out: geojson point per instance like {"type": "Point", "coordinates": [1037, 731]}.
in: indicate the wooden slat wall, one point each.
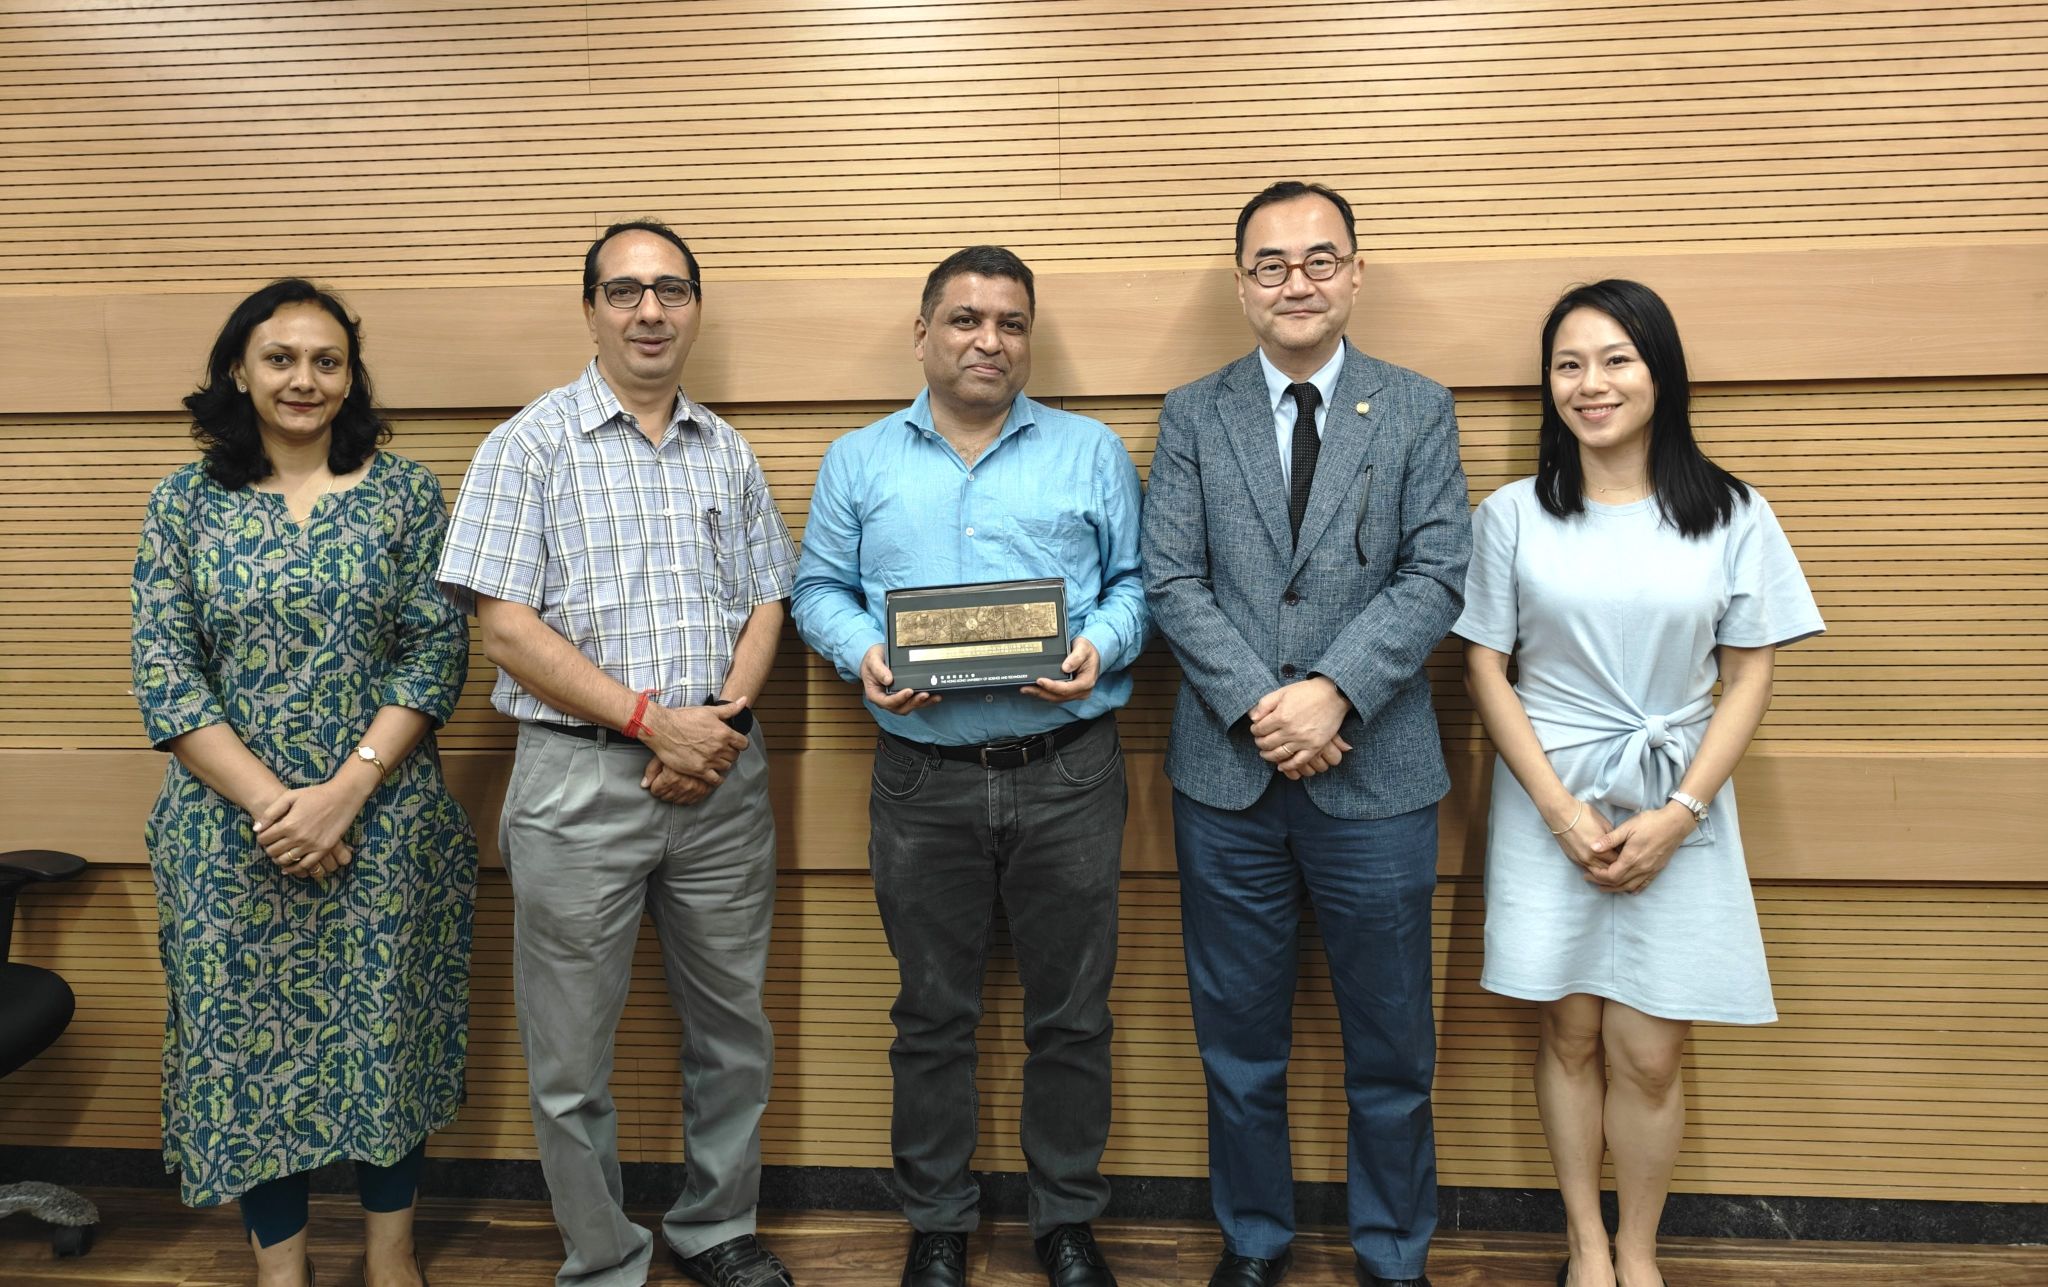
{"type": "Point", "coordinates": [175, 144]}
{"type": "Point", "coordinates": [1917, 509]}
{"type": "Point", "coordinates": [1847, 198]}
{"type": "Point", "coordinates": [1908, 1061]}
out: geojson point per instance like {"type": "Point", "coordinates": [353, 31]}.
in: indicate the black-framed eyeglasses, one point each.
{"type": "Point", "coordinates": [670, 292]}
{"type": "Point", "coordinates": [1318, 267]}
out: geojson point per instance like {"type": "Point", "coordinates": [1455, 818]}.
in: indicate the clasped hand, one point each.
{"type": "Point", "coordinates": [1626, 859]}
{"type": "Point", "coordinates": [301, 829]}
{"type": "Point", "coordinates": [1295, 727]}
{"type": "Point", "coordinates": [693, 749]}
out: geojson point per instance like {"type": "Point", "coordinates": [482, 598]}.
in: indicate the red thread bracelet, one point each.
{"type": "Point", "coordinates": [634, 728]}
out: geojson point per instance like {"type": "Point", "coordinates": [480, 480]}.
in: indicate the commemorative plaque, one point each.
{"type": "Point", "coordinates": [998, 634]}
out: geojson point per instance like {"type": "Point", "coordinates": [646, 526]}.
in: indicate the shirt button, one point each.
{"type": "Point", "coordinates": [970, 475]}
{"type": "Point", "coordinates": [989, 698]}
{"type": "Point", "coordinates": [970, 531]}
{"type": "Point", "coordinates": [1290, 597]}
{"type": "Point", "coordinates": [1287, 670]}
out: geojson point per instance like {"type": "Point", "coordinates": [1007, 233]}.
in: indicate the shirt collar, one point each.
{"type": "Point", "coordinates": [1325, 380]}
{"type": "Point", "coordinates": [603, 406]}
{"type": "Point", "coordinates": [918, 416]}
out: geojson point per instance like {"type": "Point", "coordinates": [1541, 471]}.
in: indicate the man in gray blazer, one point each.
{"type": "Point", "coordinates": [1305, 538]}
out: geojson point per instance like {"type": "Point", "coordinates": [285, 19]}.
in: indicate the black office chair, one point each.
{"type": "Point", "coordinates": [35, 1007]}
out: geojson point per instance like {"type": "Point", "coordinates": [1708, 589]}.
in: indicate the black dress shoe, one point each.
{"type": "Point", "coordinates": [736, 1262]}
{"type": "Point", "coordinates": [1367, 1278]}
{"type": "Point", "coordinates": [935, 1260]}
{"type": "Point", "coordinates": [1072, 1259]}
{"type": "Point", "coordinates": [1251, 1271]}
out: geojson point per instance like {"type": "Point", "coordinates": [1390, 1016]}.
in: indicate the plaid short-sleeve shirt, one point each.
{"type": "Point", "coordinates": [648, 557]}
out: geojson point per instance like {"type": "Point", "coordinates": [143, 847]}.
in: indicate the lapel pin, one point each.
{"type": "Point", "coordinates": [1364, 407]}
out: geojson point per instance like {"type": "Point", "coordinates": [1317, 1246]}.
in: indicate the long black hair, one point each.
{"type": "Point", "coordinates": [1694, 494]}
{"type": "Point", "coordinates": [224, 418]}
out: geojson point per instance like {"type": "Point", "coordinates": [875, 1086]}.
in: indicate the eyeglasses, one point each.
{"type": "Point", "coordinates": [1318, 267]}
{"type": "Point", "coordinates": [624, 292]}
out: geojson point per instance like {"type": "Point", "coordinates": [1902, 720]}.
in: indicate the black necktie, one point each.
{"type": "Point", "coordinates": [1307, 446]}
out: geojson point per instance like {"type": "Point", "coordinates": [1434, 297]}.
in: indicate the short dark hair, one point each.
{"type": "Point", "coordinates": [224, 417]}
{"type": "Point", "coordinates": [1288, 190]}
{"type": "Point", "coordinates": [1694, 494]}
{"type": "Point", "coordinates": [655, 226]}
{"type": "Point", "coordinates": [982, 261]}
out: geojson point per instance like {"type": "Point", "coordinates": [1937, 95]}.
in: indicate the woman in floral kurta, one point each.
{"type": "Point", "coordinates": [318, 972]}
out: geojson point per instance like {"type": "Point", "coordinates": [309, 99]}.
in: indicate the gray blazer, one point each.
{"type": "Point", "coordinates": [1374, 585]}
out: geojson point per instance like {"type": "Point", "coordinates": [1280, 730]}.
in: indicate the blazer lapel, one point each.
{"type": "Point", "coordinates": [1347, 431]}
{"type": "Point", "coordinates": [1248, 421]}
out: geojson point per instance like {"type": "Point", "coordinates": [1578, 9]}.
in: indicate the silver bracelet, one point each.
{"type": "Point", "coordinates": [1569, 825]}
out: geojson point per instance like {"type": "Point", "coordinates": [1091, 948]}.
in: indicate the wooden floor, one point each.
{"type": "Point", "coordinates": [147, 1240]}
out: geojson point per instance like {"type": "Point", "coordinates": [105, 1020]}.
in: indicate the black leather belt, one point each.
{"type": "Point", "coordinates": [1013, 754]}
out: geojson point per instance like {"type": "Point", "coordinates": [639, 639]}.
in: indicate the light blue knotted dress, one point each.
{"type": "Point", "coordinates": [1613, 618]}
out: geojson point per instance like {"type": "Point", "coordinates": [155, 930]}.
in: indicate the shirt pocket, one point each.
{"type": "Point", "coordinates": [1061, 544]}
{"type": "Point", "coordinates": [726, 553]}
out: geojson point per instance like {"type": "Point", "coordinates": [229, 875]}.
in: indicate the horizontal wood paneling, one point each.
{"type": "Point", "coordinates": [1918, 508]}
{"type": "Point", "coordinates": [1805, 315]}
{"type": "Point", "coordinates": [807, 140]}
{"type": "Point", "coordinates": [1907, 1062]}
{"type": "Point", "coordinates": [1865, 817]}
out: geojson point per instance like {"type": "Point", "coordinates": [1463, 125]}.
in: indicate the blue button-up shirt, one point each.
{"type": "Point", "coordinates": [896, 507]}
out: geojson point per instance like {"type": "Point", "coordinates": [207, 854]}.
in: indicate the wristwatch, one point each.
{"type": "Point", "coordinates": [1691, 804]}
{"type": "Point", "coordinates": [366, 754]}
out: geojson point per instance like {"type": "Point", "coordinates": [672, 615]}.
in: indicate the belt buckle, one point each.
{"type": "Point", "coordinates": [1022, 747]}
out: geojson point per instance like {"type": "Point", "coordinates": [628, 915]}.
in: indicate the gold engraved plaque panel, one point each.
{"type": "Point", "coordinates": [980, 623]}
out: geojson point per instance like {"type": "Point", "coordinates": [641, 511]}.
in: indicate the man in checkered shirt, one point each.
{"type": "Point", "coordinates": [619, 547]}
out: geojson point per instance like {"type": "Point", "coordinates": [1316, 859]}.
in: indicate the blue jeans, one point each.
{"type": "Point", "coordinates": [947, 840]}
{"type": "Point", "coordinates": [1243, 877]}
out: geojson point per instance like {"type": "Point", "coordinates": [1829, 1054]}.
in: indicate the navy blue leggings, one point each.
{"type": "Point", "coordinates": [276, 1209]}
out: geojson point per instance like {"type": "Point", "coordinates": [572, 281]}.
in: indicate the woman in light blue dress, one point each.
{"type": "Point", "coordinates": [1624, 579]}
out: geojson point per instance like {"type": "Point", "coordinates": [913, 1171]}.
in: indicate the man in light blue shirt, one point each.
{"type": "Point", "coordinates": [1014, 795]}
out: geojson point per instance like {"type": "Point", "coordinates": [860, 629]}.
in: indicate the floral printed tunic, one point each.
{"type": "Point", "coordinates": [310, 1020]}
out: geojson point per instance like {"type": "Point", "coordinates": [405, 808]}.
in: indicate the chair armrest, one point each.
{"type": "Point", "coordinates": [25, 865]}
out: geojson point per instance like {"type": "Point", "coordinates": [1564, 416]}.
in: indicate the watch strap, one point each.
{"type": "Point", "coordinates": [1691, 804]}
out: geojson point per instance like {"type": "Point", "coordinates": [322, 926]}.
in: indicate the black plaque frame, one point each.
{"type": "Point", "coordinates": [987, 670]}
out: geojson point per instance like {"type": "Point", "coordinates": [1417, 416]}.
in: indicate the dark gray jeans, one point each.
{"type": "Point", "coordinates": [947, 840]}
